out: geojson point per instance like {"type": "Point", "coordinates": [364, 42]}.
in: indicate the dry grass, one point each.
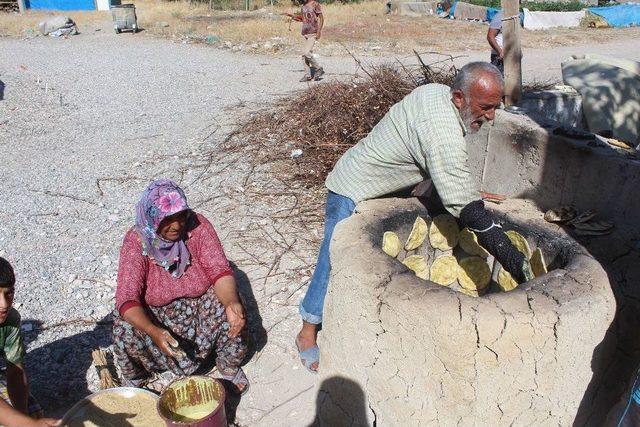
{"type": "Point", "coordinates": [361, 26]}
{"type": "Point", "coordinates": [14, 24]}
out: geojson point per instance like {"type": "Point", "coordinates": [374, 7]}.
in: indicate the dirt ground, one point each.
{"type": "Point", "coordinates": [363, 27]}
{"type": "Point", "coordinates": [86, 122]}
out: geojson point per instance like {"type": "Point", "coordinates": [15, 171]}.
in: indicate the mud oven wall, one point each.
{"type": "Point", "coordinates": [396, 350]}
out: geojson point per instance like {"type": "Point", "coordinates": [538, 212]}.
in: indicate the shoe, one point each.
{"type": "Point", "coordinates": [318, 74]}
{"type": "Point", "coordinates": [306, 78]}
{"type": "Point", "coordinates": [308, 357]}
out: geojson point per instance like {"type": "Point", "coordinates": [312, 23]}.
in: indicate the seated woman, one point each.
{"type": "Point", "coordinates": [176, 300]}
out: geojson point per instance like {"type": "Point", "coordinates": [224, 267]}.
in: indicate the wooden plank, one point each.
{"type": "Point", "coordinates": [512, 51]}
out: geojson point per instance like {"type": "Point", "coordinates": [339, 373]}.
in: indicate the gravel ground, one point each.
{"type": "Point", "coordinates": [85, 123]}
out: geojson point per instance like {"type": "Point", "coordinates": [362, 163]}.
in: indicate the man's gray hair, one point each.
{"type": "Point", "coordinates": [473, 71]}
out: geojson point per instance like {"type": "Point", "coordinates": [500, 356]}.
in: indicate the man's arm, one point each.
{"type": "Point", "coordinates": [294, 16]}
{"type": "Point", "coordinates": [18, 387]}
{"type": "Point", "coordinates": [495, 241]}
{"type": "Point", "coordinates": [491, 38]}
{"type": "Point", "coordinates": [447, 164]}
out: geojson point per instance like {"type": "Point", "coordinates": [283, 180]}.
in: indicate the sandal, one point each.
{"type": "Point", "coordinates": [309, 356]}
{"type": "Point", "coordinates": [238, 379]}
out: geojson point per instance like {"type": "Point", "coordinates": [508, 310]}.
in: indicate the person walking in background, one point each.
{"type": "Point", "coordinates": [312, 24]}
{"type": "Point", "coordinates": [494, 37]}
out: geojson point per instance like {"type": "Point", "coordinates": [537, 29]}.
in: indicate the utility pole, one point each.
{"type": "Point", "coordinates": [512, 51]}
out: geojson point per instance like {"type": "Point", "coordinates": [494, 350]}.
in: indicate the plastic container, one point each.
{"type": "Point", "coordinates": [124, 17]}
{"type": "Point", "coordinates": [195, 401]}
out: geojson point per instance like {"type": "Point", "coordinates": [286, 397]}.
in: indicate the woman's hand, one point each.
{"type": "Point", "coordinates": [235, 317]}
{"type": "Point", "coordinates": [165, 342]}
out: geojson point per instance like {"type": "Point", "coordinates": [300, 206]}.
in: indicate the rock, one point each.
{"type": "Point", "coordinates": [106, 262]}
{"type": "Point", "coordinates": [162, 24]}
{"type": "Point", "coordinates": [72, 277]}
{"type": "Point", "coordinates": [55, 23]}
{"type": "Point", "coordinates": [296, 153]}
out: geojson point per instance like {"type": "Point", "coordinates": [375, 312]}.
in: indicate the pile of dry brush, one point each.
{"type": "Point", "coordinates": [325, 120]}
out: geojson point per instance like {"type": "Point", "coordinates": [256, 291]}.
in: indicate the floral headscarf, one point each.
{"type": "Point", "coordinates": [161, 199]}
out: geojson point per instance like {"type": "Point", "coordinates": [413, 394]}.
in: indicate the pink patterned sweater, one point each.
{"type": "Point", "coordinates": [142, 282]}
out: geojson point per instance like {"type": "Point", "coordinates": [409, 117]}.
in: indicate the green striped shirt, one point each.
{"type": "Point", "coordinates": [420, 137]}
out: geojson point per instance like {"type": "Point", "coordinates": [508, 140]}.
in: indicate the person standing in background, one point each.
{"type": "Point", "coordinates": [494, 37]}
{"type": "Point", "coordinates": [312, 24]}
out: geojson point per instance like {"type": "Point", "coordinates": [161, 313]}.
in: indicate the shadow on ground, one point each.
{"type": "Point", "coordinates": [340, 402]}
{"type": "Point", "coordinates": [58, 370]}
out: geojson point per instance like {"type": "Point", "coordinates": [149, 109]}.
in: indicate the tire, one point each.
{"type": "Point", "coordinates": [118, 30]}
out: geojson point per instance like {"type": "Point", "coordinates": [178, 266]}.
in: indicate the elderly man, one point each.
{"type": "Point", "coordinates": [420, 137]}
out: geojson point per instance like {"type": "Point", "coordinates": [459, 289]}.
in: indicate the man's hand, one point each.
{"type": "Point", "coordinates": [423, 189]}
{"type": "Point", "coordinates": [235, 317]}
{"type": "Point", "coordinates": [495, 241]}
{"type": "Point", "coordinates": [318, 35]}
{"type": "Point", "coordinates": [165, 342]}
{"type": "Point", "coordinates": [501, 54]}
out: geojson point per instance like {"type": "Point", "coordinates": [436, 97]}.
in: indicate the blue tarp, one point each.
{"type": "Point", "coordinates": [623, 15]}
{"type": "Point", "coordinates": [491, 11]}
{"type": "Point", "coordinates": [61, 4]}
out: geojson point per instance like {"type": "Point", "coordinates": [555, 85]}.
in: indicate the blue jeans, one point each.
{"type": "Point", "coordinates": [630, 416]}
{"type": "Point", "coordinates": [338, 208]}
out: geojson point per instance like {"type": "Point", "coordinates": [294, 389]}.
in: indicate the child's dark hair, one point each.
{"type": "Point", "coordinates": [7, 278]}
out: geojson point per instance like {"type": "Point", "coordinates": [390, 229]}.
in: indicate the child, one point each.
{"type": "Point", "coordinates": [312, 23]}
{"type": "Point", "coordinates": [16, 402]}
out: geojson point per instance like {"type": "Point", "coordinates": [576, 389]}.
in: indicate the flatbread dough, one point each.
{"type": "Point", "coordinates": [474, 273]}
{"type": "Point", "coordinates": [418, 264]}
{"type": "Point", "coordinates": [520, 243]}
{"type": "Point", "coordinates": [469, 244]}
{"type": "Point", "coordinates": [444, 232]}
{"type": "Point", "coordinates": [538, 266]}
{"type": "Point", "coordinates": [418, 234]}
{"type": "Point", "coordinates": [391, 244]}
{"type": "Point", "coordinates": [505, 281]}
{"type": "Point", "coordinates": [444, 270]}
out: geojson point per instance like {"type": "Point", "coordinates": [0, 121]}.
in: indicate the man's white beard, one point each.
{"type": "Point", "coordinates": [467, 118]}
